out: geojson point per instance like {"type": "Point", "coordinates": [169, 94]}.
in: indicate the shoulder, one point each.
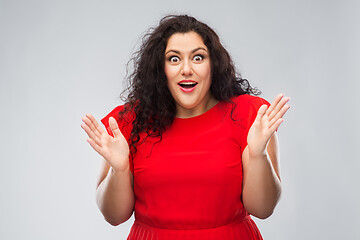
{"type": "Point", "coordinates": [245, 99]}
{"type": "Point", "coordinates": [123, 118]}
{"type": "Point", "coordinates": [248, 103]}
{"type": "Point", "coordinates": [244, 111]}
{"type": "Point", "coordinates": [114, 113]}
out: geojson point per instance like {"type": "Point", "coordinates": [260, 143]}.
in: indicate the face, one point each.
{"type": "Point", "coordinates": [188, 73]}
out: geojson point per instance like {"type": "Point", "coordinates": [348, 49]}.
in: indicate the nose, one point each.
{"type": "Point", "coordinates": [187, 68]}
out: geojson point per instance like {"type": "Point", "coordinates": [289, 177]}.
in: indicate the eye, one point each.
{"type": "Point", "coordinates": [174, 59]}
{"type": "Point", "coordinates": [198, 58]}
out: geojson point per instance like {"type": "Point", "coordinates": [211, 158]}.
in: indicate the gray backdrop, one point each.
{"type": "Point", "coordinates": [62, 59]}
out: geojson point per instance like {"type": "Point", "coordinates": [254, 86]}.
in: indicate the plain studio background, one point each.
{"type": "Point", "coordinates": [62, 59]}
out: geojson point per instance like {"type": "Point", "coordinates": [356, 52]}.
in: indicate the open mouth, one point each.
{"type": "Point", "coordinates": [187, 84]}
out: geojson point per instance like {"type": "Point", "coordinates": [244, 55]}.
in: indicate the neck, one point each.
{"type": "Point", "coordinates": [198, 110]}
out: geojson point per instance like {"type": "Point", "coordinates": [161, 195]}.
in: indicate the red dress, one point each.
{"type": "Point", "coordinates": [188, 186]}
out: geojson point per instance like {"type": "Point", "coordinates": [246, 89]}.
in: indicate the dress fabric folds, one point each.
{"type": "Point", "coordinates": [188, 185]}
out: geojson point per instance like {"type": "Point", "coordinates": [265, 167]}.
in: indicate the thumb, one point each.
{"type": "Point", "coordinates": [114, 127]}
{"type": "Point", "coordinates": [261, 112]}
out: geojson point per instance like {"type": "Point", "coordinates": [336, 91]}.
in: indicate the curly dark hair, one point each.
{"type": "Point", "coordinates": [148, 95]}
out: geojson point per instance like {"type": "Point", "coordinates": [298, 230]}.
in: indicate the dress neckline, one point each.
{"type": "Point", "coordinates": [204, 114]}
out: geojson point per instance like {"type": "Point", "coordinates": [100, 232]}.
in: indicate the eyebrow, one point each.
{"type": "Point", "coordinates": [196, 49]}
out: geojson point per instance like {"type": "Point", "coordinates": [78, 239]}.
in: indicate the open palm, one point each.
{"type": "Point", "coordinates": [115, 150]}
{"type": "Point", "coordinates": [265, 124]}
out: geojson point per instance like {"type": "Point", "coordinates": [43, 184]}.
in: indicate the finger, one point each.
{"type": "Point", "coordinates": [274, 103]}
{"type": "Point", "coordinates": [91, 125]}
{"type": "Point", "coordinates": [96, 124]}
{"type": "Point", "coordinates": [261, 112]}
{"type": "Point", "coordinates": [91, 134]}
{"type": "Point", "coordinates": [114, 127]}
{"type": "Point", "coordinates": [280, 114]}
{"type": "Point", "coordinates": [275, 126]}
{"type": "Point", "coordinates": [278, 107]}
{"type": "Point", "coordinates": [87, 130]}
{"type": "Point", "coordinates": [96, 147]}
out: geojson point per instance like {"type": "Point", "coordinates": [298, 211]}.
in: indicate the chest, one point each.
{"type": "Point", "coordinates": [190, 154]}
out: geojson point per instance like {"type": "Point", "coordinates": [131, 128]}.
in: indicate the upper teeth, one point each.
{"type": "Point", "coordinates": [187, 83]}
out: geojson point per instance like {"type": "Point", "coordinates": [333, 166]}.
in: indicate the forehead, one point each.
{"type": "Point", "coordinates": [185, 41]}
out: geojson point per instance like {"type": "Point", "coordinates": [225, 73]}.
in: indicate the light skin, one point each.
{"type": "Point", "coordinates": [114, 193]}
{"type": "Point", "coordinates": [187, 58]}
{"type": "Point", "coordinates": [260, 159]}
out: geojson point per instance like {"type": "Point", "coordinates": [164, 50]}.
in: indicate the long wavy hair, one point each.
{"type": "Point", "coordinates": [148, 96]}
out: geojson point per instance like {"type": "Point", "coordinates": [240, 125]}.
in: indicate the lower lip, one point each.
{"type": "Point", "coordinates": [187, 90]}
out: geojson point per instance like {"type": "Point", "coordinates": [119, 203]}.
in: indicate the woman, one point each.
{"type": "Point", "coordinates": [192, 153]}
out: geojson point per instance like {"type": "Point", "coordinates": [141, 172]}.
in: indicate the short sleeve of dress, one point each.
{"type": "Point", "coordinates": [125, 127]}
{"type": "Point", "coordinates": [247, 106]}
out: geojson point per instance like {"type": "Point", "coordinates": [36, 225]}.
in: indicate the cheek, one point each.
{"type": "Point", "coordinates": [170, 75]}
{"type": "Point", "coordinates": [170, 72]}
{"type": "Point", "coordinates": [166, 70]}
{"type": "Point", "coordinates": [205, 73]}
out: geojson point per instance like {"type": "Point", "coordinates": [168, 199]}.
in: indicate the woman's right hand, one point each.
{"type": "Point", "coordinates": [115, 150]}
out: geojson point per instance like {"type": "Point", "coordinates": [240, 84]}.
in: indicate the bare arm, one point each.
{"type": "Point", "coordinates": [114, 194]}
{"type": "Point", "coordinates": [262, 183]}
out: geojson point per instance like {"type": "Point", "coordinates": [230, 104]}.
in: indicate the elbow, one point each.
{"type": "Point", "coordinates": [262, 209]}
{"type": "Point", "coordinates": [263, 214]}
{"type": "Point", "coordinates": [115, 215]}
{"type": "Point", "coordinates": [116, 221]}
{"type": "Point", "coordinates": [113, 222]}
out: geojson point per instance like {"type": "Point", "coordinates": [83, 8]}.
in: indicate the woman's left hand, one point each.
{"type": "Point", "coordinates": [265, 124]}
